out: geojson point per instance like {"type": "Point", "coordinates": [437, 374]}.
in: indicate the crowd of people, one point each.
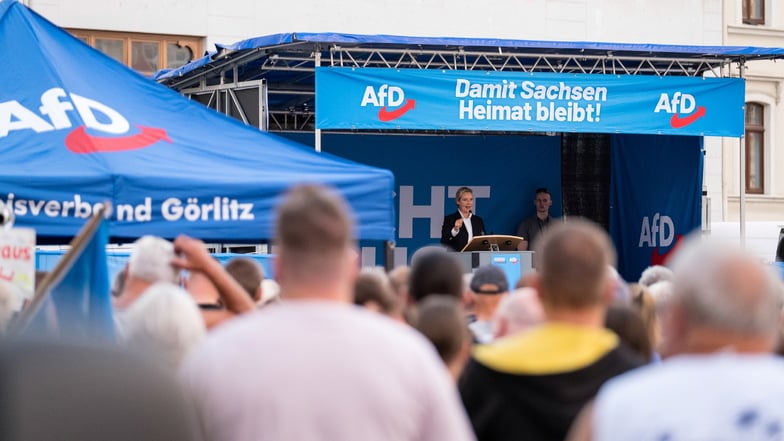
{"type": "Point", "coordinates": [424, 352]}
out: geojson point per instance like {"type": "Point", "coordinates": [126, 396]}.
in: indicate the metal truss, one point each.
{"type": "Point", "coordinates": [289, 69]}
{"type": "Point", "coordinates": [504, 61]}
{"type": "Point", "coordinates": [292, 121]}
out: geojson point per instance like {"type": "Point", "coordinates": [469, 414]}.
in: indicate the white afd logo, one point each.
{"type": "Point", "coordinates": [53, 114]}
{"type": "Point", "coordinates": [658, 231]}
{"type": "Point", "coordinates": [386, 95]}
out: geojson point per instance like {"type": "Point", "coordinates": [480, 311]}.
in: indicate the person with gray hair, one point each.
{"type": "Point", "coordinates": [519, 311]}
{"type": "Point", "coordinates": [654, 274]}
{"type": "Point", "coordinates": [150, 262]}
{"type": "Point", "coordinates": [721, 381]}
{"type": "Point", "coordinates": [164, 324]}
{"type": "Point", "coordinates": [155, 259]}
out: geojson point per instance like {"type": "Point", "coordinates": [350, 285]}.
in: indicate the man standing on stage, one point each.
{"type": "Point", "coordinates": [531, 227]}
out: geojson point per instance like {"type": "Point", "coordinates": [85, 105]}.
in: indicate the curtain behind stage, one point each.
{"type": "Point", "coordinates": [655, 197]}
{"type": "Point", "coordinates": [585, 176]}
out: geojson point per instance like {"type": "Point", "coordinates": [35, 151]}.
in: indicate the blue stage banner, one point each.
{"type": "Point", "coordinates": [349, 98]}
{"type": "Point", "coordinates": [655, 198]}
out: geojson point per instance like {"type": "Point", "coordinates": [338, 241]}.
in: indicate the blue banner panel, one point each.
{"type": "Point", "coordinates": [503, 171]}
{"type": "Point", "coordinates": [655, 197]}
{"type": "Point", "coordinates": [349, 98]}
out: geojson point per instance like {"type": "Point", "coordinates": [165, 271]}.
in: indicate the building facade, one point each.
{"type": "Point", "coordinates": [753, 23]}
{"type": "Point", "coordinates": [226, 21]}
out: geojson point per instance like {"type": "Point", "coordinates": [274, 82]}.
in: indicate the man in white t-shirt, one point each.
{"type": "Point", "coordinates": [315, 367]}
{"type": "Point", "coordinates": [721, 381]}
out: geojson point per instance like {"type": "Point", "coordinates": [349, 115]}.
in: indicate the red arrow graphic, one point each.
{"type": "Point", "coordinates": [677, 121]}
{"type": "Point", "coordinates": [388, 115]}
{"type": "Point", "coordinates": [658, 258]}
{"type": "Point", "coordinates": [79, 141]}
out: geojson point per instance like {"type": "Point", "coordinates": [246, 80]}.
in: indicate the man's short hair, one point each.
{"type": "Point", "coordinates": [398, 279]}
{"type": "Point", "coordinates": [248, 273]}
{"type": "Point", "coordinates": [151, 260]}
{"type": "Point", "coordinates": [544, 190]}
{"type": "Point", "coordinates": [626, 322]}
{"type": "Point", "coordinates": [722, 286]}
{"type": "Point", "coordinates": [313, 230]}
{"type": "Point", "coordinates": [572, 262]}
{"type": "Point", "coordinates": [435, 271]}
{"type": "Point", "coordinates": [372, 286]}
{"type": "Point", "coordinates": [440, 319]}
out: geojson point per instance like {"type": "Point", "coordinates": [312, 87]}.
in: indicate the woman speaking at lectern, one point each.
{"type": "Point", "coordinates": [461, 226]}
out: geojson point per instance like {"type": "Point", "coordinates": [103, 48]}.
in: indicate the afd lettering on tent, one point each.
{"type": "Point", "coordinates": [55, 106]}
{"type": "Point", "coordinates": [15, 116]}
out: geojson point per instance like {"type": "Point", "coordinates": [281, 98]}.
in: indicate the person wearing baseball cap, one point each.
{"type": "Point", "coordinates": [487, 287]}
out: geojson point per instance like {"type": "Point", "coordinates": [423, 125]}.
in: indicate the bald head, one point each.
{"type": "Point", "coordinates": [517, 312]}
{"type": "Point", "coordinates": [572, 264]}
{"type": "Point", "coordinates": [724, 287]}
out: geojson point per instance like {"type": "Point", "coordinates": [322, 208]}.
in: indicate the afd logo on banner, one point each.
{"type": "Point", "coordinates": [55, 113]}
{"type": "Point", "coordinates": [391, 100]}
{"type": "Point", "coordinates": [370, 98]}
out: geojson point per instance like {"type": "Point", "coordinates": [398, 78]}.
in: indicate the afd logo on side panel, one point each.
{"type": "Point", "coordinates": [391, 100]}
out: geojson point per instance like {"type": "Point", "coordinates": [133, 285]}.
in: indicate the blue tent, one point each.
{"type": "Point", "coordinates": [77, 129]}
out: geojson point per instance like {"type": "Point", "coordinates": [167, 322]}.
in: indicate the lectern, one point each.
{"type": "Point", "coordinates": [497, 250]}
{"type": "Point", "coordinates": [495, 242]}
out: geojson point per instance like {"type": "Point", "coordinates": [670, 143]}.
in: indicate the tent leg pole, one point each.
{"type": "Point", "coordinates": [389, 255]}
{"type": "Point", "coordinates": [318, 131]}
{"type": "Point", "coordinates": [742, 202]}
{"type": "Point", "coordinates": [742, 153]}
